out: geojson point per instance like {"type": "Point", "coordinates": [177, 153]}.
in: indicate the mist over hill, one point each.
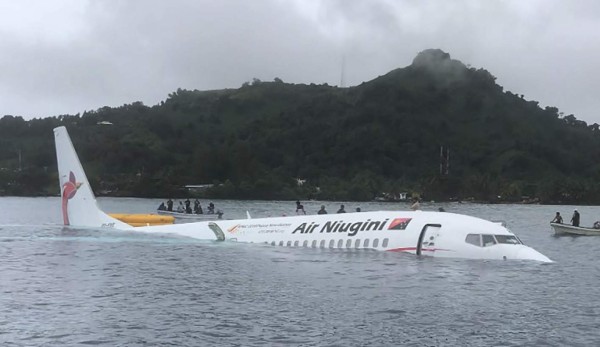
{"type": "Point", "coordinates": [382, 136]}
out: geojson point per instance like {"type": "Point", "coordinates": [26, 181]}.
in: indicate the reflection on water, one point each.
{"type": "Point", "coordinates": [63, 286]}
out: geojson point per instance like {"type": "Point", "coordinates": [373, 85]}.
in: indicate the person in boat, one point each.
{"type": "Point", "coordinates": [211, 208]}
{"type": "Point", "coordinates": [557, 218]}
{"type": "Point", "coordinates": [162, 206]}
{"type": "Point", "coordinates": [342, 209]}
{"type": "Point", "coordinates": [188, 208]}
{"type": "Point", "coordinates": [299, 208]}
{"type": "Point", "coordinates": [180, 208]}
{"type": "Point", "coordinates": [196, 205]}
{"type": "Point", "coordinates": [575, 218]}
{"type": "Point", "coordinates": [322, 210]}
{"type": "Point", "coordinates": [358, 209]}
{"type": "Point", "coordinates": [170, 205]}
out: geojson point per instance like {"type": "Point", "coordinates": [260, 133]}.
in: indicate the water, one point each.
{"type": "Point", "coordinates": [69, 287]}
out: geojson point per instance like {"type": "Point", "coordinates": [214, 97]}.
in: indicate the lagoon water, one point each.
{"type": "Point", "coordinates": [72, 287]}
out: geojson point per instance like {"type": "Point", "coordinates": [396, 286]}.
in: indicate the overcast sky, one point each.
{"type": "Point", "coordinates": [66, 56]}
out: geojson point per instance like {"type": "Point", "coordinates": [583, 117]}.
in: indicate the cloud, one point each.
{"type": "Point", "coordinates": [67, 56]}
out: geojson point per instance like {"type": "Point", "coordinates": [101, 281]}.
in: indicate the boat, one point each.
{"type": "Point", "coordinates": [422, 233]}
{"type": "Point", "coordinates": [192, 216]}
{"type": "Point", "coordinates": [566, 229]}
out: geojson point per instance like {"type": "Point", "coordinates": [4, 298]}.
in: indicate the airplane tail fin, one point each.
{"type": "Point", "coordinates": [79, 206]}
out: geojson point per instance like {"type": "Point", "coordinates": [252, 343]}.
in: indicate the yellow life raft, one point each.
{"type": "Point", "coordinates": [143, 219]}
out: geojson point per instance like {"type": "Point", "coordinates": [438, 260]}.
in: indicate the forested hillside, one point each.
{"type": "Point", "coordinates": [383, 136]}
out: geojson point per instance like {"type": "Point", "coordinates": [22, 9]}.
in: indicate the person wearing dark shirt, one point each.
{"type": "Point", "coordinates": [322, 210]}
{"type": "Point", "coordinates": [170, 205]}
{"type": "Point", "coordinates": [299, 208]}
{"type": "Point", "coordinates": [341, 210]}
{"type": "Point", "coordinates": [575, 218]}
{"type": "Point", "coordinates": [162, 206]}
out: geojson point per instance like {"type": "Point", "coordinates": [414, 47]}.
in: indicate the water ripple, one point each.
{"type": "Point", "coordinates": [64, 286]}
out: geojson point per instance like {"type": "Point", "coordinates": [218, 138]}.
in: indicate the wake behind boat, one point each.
{"type": "Point", "coordinates": [566, 229]}
{"type": "Point", "coordinates": [191, 216]}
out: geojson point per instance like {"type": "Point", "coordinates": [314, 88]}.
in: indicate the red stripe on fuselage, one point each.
{"type": "Point", "coordinates": [404, 249]}
{"type": "Point", "coordinates": [408, 249]}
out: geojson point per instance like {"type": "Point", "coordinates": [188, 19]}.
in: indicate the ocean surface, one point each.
{"type": "Point", "coordinates": [72, 287]}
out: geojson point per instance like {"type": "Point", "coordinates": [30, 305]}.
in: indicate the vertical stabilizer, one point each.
{"type": "Point", "coordinates": [78, 204]}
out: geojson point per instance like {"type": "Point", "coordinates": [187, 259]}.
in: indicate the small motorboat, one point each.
{"type": "Point", "coordinates": [194, 216]}
{"type": "Point", "coordinates": [566, 229]}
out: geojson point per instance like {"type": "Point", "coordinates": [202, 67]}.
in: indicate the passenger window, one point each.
{"type": "Point", "coordinates": [366, 244]}
{"type": "Point", "coordinates": [289, 243]}
{"type": "Point", "coordinates": [314, 244]}
{"type": "Point", "coordinates": [331, 243]}
{"type": "Point", "coordinates": [296, 243]}
{"type": "Point", "coordinates": [488, 240]}
{"type": "Point", "coordinates": [273, 243]}
{"type": "Point", "coordinates": [349, 243]}
{"type": "Point", "coordinates": [322, 245]}
{"type": "Point", "coordinates": [281, 243]}
{"type": "Point", "coordinates": [385, 242]}
{"type": "Point", "coordinates": [473, 239]}
{"type": "Point", "coordinates": [340, 244]}
{"type": "Point", "coordinates": [357, 243]}
{"type": "Point", "coordinates": [375, 243]}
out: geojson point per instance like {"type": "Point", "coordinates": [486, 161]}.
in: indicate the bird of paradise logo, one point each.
{"type": "Point", "coordinates": [68, 191]}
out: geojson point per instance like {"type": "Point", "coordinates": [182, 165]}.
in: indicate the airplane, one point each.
{"type": "Point", "coordinates": [427, 233]}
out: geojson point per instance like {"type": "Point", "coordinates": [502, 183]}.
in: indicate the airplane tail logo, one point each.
{"type": "Point", "coordinates": [69, 189]}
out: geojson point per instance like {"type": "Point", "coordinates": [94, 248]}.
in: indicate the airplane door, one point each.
{"type": "Point", "coordinates": [219, 234]}
{"type": "Point", "coordinates": [426, 244]}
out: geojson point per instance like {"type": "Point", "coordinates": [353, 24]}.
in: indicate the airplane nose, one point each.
{"type": "Point", "coordinates": [528, 253]}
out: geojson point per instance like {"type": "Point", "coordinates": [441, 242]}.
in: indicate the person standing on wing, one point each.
{"type": "Point", "coordinates": [299, 208]}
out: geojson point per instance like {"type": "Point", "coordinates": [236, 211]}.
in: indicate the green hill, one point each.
{"type": "Point", "coordinates": [347, 143]}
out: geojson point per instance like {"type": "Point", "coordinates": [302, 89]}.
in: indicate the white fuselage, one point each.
{"type": "Point", "coordinates": [437, 234]}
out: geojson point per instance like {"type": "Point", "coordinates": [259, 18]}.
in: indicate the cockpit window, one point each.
{"type": "Point", "coordinates": [488, 240]}
{"type": "Point", "coordinates": [509, 239]}
{"type": "Point", "coordinates": [473, 239]}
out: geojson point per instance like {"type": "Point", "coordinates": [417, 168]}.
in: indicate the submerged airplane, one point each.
{"type": "Point", "coordinates": [436, 234]}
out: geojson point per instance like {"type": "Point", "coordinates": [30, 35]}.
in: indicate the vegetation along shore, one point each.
{"type": "Point", "coordinates": [436, 129]}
